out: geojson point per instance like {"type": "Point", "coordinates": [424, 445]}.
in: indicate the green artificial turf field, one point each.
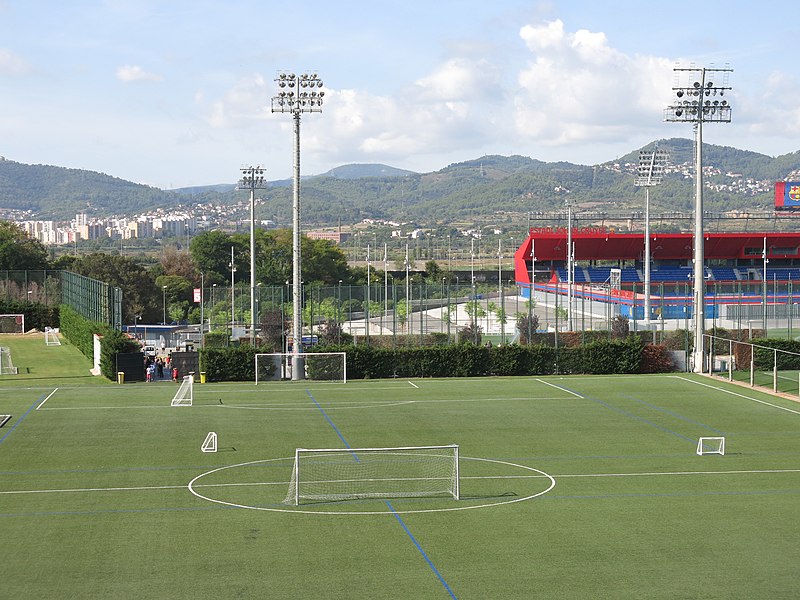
{"type": "Point", "coordinates": [573, 487]}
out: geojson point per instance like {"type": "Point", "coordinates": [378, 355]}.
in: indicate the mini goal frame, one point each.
{"type": "Point", "coordinates": [185, 393]}
{"type": "Point", "coordinates": [711, 445]}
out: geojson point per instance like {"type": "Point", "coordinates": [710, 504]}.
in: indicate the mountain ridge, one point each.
{"type": "Point", "coordinates": [471, 189]}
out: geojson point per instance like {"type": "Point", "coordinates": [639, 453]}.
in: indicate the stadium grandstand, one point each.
{"type": "Point", "coordinates": [741, 269]}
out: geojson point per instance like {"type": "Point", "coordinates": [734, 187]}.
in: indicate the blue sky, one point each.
{"type": "Point", "coordinates": [177, 93]}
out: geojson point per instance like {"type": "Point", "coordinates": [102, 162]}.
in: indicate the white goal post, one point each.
{"type": "Point", "coordinates": [12, 323]}
{"type": "Point", "coordinates": [711, 445]}
{"type": "Point", "coordinates": [6, 365]}
{"type": "Point", "coordinates": [318, 366]}
{"type": "Point", "coordinates": [210, 443]}
{"type": "Point", "coordinates": [184, 395]}
{"type": "Point", "coordinates": [336, 474]}
{"type": "Point", "coordinates": [51, 337]}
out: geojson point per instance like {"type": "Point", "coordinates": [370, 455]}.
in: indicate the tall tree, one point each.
{"type": "Point", "coordinates": [18, 250]}
{"type": "Point", "coordinates": [175, 261]}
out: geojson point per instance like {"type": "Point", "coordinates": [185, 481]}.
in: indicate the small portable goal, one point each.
{"type": "Point", "coordinates": [210, 443]}
{"type": "Point", "coordinates": [6, 365]}
{"type": "Point", "coordinates": [711, 445]}
{"type": "Point", "coordinates": [51, 337]}
{"type": "Point", "coordinates": [184, 395]}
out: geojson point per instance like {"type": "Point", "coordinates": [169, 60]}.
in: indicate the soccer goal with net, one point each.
{"type": "Point", "coordinates": [711, 445]}
{"type": "Point", "coordinates": [51, 337]}
{"type": "Point", "coordinates": [6, 365]}
{"type": "Point", "coordinates": [318, 366]}
{"type": "Point", "coordinates": [335, 474]}
{"type": "Point", "coordinates": [12, 323]}
{"type": "Point", "coordinates": [184, 395]}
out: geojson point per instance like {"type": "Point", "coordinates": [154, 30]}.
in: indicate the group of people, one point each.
{"type": "Point", "coordinates": [159, 369]}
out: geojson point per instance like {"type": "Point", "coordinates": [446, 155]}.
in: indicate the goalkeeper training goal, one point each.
{"type": "Point", "coordinates": [6, 365]}
{"type": "Point", "coordinates": [711, 445]}
{"type": "Point", "coordinates": [335, 474]}
{"type": "Point", "coordinates": [12, 323]}
{"type": "Point", "coordinates": [317, 366]}
{"type": "Point", "coordinates": [51, 337]}
{"type": "Point", "coordinates": [183, 397]}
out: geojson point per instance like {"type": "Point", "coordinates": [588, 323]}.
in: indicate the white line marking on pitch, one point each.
{"type": "Point", "coordinates": [412, 385]}
{"type": "Point", "coordinates": [50, 395]}
{"type": "Point", "coordinates": [262, 483]}
{"type": "Point", "coordinates": [713, 387]}
{"type": "Point", "coordinates": [558, 387]}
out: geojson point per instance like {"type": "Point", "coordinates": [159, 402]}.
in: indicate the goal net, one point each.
{"type": "Point", "coordinates": [183, 397]}
{"type": "Point", "coordinates": [328, 474]}
{"type": "Point", "coordinates": [711, 445]}
{"type": "Point", "coordinates": [12, 323]}
{"type": "Point", "coordinates": [51, 337]}
{"type": "Point", "coordinates": [6, 365]}
{"type": "Point", "coordinates": [318, 366]}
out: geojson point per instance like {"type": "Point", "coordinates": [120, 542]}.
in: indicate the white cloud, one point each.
{"type": "Point", "coordinates": [11, 64]}
{"type": "Point", "coordinates": [246, 100]}
{"type": "Point", "coordinates": [135, 73]}
{"type": "Point", "coordinates": [577, 88]}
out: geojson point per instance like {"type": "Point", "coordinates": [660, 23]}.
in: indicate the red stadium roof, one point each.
{"type": "Point", "coordinates": [595, 244]}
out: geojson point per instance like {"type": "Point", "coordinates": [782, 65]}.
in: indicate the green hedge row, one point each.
{"type": "Point", "coordinates": [80, 333]}
{"type": "Point", "coordinates": [465, 360]}
{"type": "Point", "coordinates": [235, 363]}
{"type": "Point", "coordinates": [764, 355]}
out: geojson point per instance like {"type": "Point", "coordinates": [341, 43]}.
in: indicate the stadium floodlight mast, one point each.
{"type": "Point", "coordinates": [698, 102]}
{"type": "Point", "coordinates": [297, 94]}
{"type": "Point", "coordinates": [649, 173]}
{"type": "Point", "coordinates": [252, 179]}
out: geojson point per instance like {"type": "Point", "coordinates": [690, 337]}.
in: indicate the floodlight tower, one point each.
{"type": "Point", "coordinates": [297, 94]}
{"type": "Point", "coordinates": [699, 102]}
{"type": "Point", "coordinates": [252, 179]}
{"type": "Point", "coordinates": [649, 173]}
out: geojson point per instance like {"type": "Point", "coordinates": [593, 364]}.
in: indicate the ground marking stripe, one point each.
{"type": "Point", "coordinates": [732, 393]}
{"type": "Point", "coordinates": [369, 403]}
{"type": "Point", "coordinates": [50, 395]}
{"type": "Point", "coordinates": [411, 383]}
{"type": "Point", "coordinates": [674, 414]}
{"type": "Point", "coordinates": [558, 387]}
{"type": "Point", "coordinates": [479, 477]}
{"type": "Point", "coordinates": [420, 549]}
{"type": "Point", "coordinates": [18, 421]}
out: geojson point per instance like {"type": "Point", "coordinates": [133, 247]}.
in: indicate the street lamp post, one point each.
{"type": "Point", "coordinates": [164, 298]}
{"type": "Point", "coordinates": [570, 266]}
{"type": "Point", "coordinates": [297, 94]}
{"type": "Point", "coordinates": [232, 267]}
{"type": "Point", "coordinates": [252, 179]}
{"type": "Point", "coordinates": [697, 103]}
{"type": "Point", "coordinates": [650, 172]}
{"type": "Point", "coordinates": [202, 309]}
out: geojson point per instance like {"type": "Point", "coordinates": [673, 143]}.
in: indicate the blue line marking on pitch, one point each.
{"type": "Point", "coordinates": [633, 416]}
{"type": "Point", "coordinates": [27, 412]}
{"type": "Point", "coordinates": [421, 551]}
{"type": "Point", "coordinates": [331, 423]}
{"type": "Point", "coordinates": [391, 508]}
{"type": "Point", "coordinates": [674, 414]}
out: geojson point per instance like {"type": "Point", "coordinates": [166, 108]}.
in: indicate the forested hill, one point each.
{"type": "Point", "coordinates": [57, 192]}
{"type": "Point", "coordinates": [473, 190]}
